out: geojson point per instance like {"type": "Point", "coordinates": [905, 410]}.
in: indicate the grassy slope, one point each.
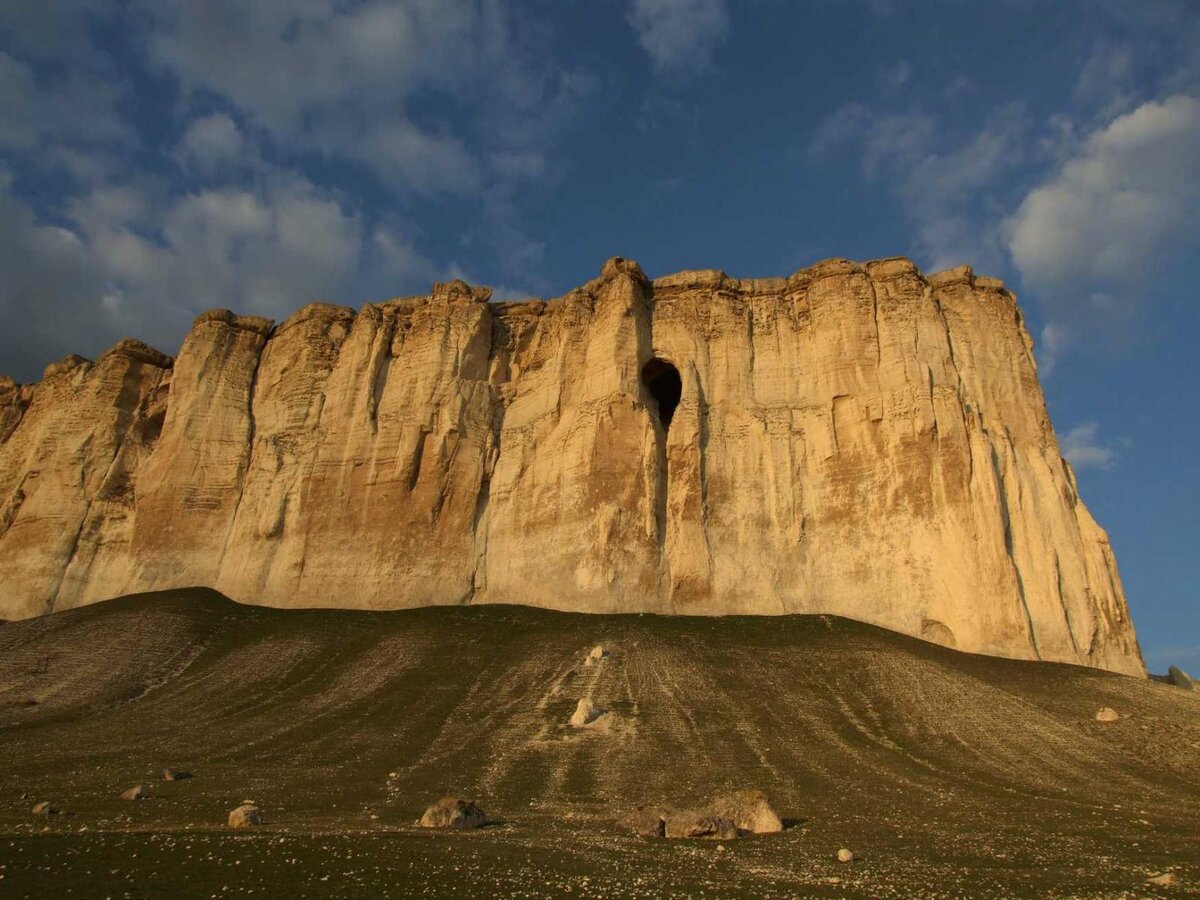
{"type": "Point", "coordinates": [948, 773]}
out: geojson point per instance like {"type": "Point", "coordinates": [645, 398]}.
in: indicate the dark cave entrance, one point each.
{"type": "Point", "coordinates": [665, 386]}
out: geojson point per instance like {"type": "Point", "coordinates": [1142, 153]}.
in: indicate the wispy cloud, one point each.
{"type": "Point", "coordinates": [944, 183]}
{"type": "Point", "coordinates": [679, 34]}
{"type": "Point", "coordinates": [1082, 448]}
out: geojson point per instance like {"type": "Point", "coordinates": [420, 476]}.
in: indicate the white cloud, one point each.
{"type": "Point", "coordinates": [1055, 337]}
{"type": "Point", "coordinates": [77, 106]}
{"type": "Point", "coordinates": [343, 79]}
{"type": "Point", "coordinates": [138, 262]}
{"type": "Point", "coordinates": [1110, 213]}
{"type": "Point", "coordinates": [679, 34]}
{"type": "Point", "coordinates": [211, 142]}
{"type": "Point", "coordinates": [1081, 448]}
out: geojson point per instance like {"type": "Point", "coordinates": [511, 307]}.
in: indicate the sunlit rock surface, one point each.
{"type": "Point", "coordinates": [856, 439]}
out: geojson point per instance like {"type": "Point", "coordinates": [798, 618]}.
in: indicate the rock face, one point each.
{"type": "Point", "coordinates": [245, 816]}
{"type": "Point", "coordinates": [855, 439]}
{"type": "Point", "coordinates": [450, 812]}
{"type": "Point", "coordinates": [586, 712]}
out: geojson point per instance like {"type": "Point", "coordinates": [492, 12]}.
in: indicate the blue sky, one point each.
{"type": "Point", "coordinates": [162, 157]}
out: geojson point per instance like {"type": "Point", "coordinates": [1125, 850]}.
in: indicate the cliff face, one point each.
{"type": "Point", "coordinates": [855, 439]}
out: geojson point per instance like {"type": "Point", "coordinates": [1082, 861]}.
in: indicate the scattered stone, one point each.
{"type": "Point", "coordinates": [749, 810]}
{"type": "Point", "coordinates": [845, 855]}
{"type": "Point", "coordinates": [1107, 714]}
{"type": "Point", "coordinates": [598, 653]}
{"type": "Point", "coordinates": [1180, 678]}
{"type": "Point", "coordinates": [137, 792]}
{"type": "Point", "coordinates": [586, 712]}
{"type": "Point", "coordinates": [176, 775]}
{"type": "Point", "coordinates": [450, 812]}
{"type": "Point", "coordinates": [647, 821]}
{"type": "Point", "coordinates": [690, 824]}
{"type": "Point", "coordinates": [245, 816]}
{"type": "Point", "coordinates": [1166, 878]}
{"type": "Point", "coordinates": [45, 808]}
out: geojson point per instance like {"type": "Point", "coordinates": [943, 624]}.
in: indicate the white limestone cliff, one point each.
{"type": "Point", "coordinates": [856, 439]}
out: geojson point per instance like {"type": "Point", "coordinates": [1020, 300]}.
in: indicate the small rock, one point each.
{"type": "Point", "coordinates": [176, 775]}
{"type": "Point", "coordinates": [245, 816]}
{"type": "Point", "coordinates": [748, 810]}
{"type": "Point", "coordinates": [1106, 714]}
{"type": "Point", "coordinates": [598, 653]}
{"type": "Point", "coordinates": [647, 821]}
{"type": "Point", "coordinates": [586, 712]}
{"type": "Point", "coordinates": [845, 855]}
{"type": "Point", "coordinates": [45, 808]}
{"type": "Point", "coordinates": [1180, 678]}
{"type": "Point", "coordinates": [450, 812]}
{"type": "Point", "coordinates": [137, 792]}
{"type": "Point", "coordinates": [1166, 878]}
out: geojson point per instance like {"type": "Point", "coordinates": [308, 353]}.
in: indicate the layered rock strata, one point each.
{"type": "Point", "coordinates": [856, 439]}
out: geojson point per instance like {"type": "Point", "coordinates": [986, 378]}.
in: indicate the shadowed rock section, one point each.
{"type": "Point", "coordinates": [856, 439]}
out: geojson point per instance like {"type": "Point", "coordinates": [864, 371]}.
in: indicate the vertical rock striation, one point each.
{"type": "Point", "coordinates": [859, 440]}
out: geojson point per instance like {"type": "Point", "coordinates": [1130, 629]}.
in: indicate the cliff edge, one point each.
{"type": "Point", "coordinates": [855, 439]}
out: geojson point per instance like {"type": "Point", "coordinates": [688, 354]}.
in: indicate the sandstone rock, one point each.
{"type": "Point", "coordinates": [1180, 679]}
{"type": "Point", "coordinates": [450, 812]}
{"type": "Point", "coordinates": [586, 712]}
{"type": "Point", "coordinates": [176, 775]}
{"type": "Point", "coordinates": [855, 439]}
{"type": "Point", "coordinates": [647, 821]}
{"type": "Point", "coordinates": [693, 824]}
{"type": "Point", "coordinates": [1107, 714]}
{"type": "Point", "coordinates": [45, 808]}
{"type": "Point", "coordinates": [245, 816]}
{"type": "Point", "coordinates": [845, 856]}
{"type": "Point", "coordinates": [597, 654]}
{"type": "Point", "coordinates": [137, 792]}
{"type": "Point", "coordinates": [749, 810]}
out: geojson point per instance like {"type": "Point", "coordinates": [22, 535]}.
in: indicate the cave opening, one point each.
{"type": "Point", "coordinates": [665, 386]}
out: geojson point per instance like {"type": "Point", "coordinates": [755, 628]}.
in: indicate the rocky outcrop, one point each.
{"type": "Point", "coordinates": [450, 812]}
{"type": "Point", "coordinates": [855, 439]}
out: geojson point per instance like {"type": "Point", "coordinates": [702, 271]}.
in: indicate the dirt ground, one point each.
{"type": "Point", "coordinates": [948, 775]}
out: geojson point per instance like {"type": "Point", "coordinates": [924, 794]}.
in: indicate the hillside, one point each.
{"type": "Point", "coordinates": [947, 773]}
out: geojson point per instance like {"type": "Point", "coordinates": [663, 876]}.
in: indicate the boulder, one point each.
{"type": "Point", "coordinates": [1166, 879]}
{"type": "Point", "coordinates": [1107, 714]}
{"type": "Point", "coordinates": [137, 792]}
{"type": "Point", "coordinates": [749, 810]}
{"type": "Point", "coordinates": [845, 855]}
{"type": "Point", "coordinates": [597, 654]}
{"type": "Point", "coordinates": [699, 824]}
{"type": "Point", "coordinates": [586, 712]}
{"type": "Point", "coordinates": [1180, 678]}
{"type": "Point", "coordinates": [45, 808]}
{"type": "Point", "coordinates": [647, 821]}
{"type": "Point", "coordinates": [176, 775]}
{"type": "Point", "coordinates": [450, 812]}
{"type": "Point", "coordinates": [245, 816]}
